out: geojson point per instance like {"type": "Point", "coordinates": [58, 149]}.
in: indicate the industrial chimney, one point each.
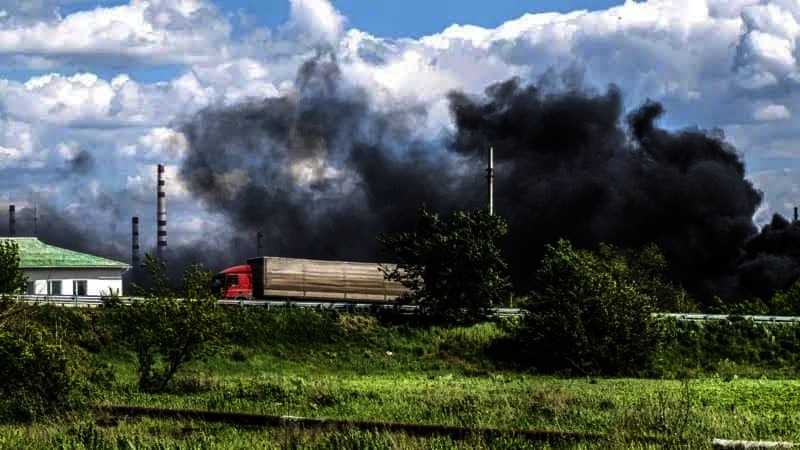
{"type": "Point", "coordinates": [12, 221]}
{"type": "Point", "coordinates": [161, 214]}
{"type": "Point", "coordinates": [134, 242]}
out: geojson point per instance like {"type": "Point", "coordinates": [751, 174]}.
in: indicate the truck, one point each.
{"type": "Point", "coordinates": [268, 277]}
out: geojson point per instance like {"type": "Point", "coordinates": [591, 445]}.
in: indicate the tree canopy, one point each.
{"type": "Point", "coordinates": [12, 278]}
{"type": "Point", "coordinates": [452, 267]}
{"type": "Point", "coordinates": [591, 313]}
{"type": "Point", "coordinates": [166, 330]}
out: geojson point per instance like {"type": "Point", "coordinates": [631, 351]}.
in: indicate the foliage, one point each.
{"type": "Point", "coordinates": [166, 332]}
{"type": "Point", "coordinates": [645, 269]}
{"type": "Point", "coordinates": [12, 278]}
{"type": "Point", "coordinates": [730, 347]}
{"type": "Point", "coordinates": [589, 315]}
{"type": "Point", "coordinates": [42, 377]}
{"type": "Point", "coordinates": [786, 302]}
{"type": "Point", "coordinates": [12, 281]}
{"type": "Point", "coordinates": [452, 268]}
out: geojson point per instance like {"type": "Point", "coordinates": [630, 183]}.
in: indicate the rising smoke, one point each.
{"type": "Point", "coordinates": [323, 171]}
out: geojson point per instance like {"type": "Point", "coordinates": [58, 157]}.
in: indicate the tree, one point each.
{"type": "Point", "coordinates": [12, 278]}
{"type": "Point", "coordinates": [41, 374]}
{"type": "Point", "coordinates": [589, 314]}
{"type": "Point", "coordinates": [786, 302]}
{"type": "Point", "coordinates": [452, 268]}
{"type": "Point", "coordinates": [12, 282]}
{"type": "Point", "coordinates": [164, 331]}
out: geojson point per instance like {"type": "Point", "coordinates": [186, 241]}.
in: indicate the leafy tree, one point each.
{"type": "Point", "coordinates": [452, 268]}
{"type": "Point", "coordinates": [646, 268]}
{"type": "Point", "coordinates": [12, 278]}
{"type": "Point", "coordinates": [12, 281]}
{"type": "Point", "coordinates": [164, 331]}
{"type": "Point", "coordinates": [42, 377]}
{"type": "Point", "coordinates": [589, 314]}
{"type": "Point", "coordinates": [786, 302]}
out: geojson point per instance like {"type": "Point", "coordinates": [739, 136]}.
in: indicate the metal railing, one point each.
{"type": "Point", "coordinates": [88, 301]}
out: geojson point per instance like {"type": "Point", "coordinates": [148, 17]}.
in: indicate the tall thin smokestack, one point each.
{"type": "Point", "coordinates": [12, 221]}
{"type": "Point", "coordinates": [135, 242]}
{"type": "Point", "coordinates": [259, 235]}
{"type": "Point", "coordinates": [161, 213]}
{"type": "Point", "coordinates": [35, 220]}
{"type": "Point", "coordinates": [490, 180]}
{"type": "Point", "coordinates": [795, 213]}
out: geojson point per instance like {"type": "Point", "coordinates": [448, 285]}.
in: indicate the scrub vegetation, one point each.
{"type": "Point", "coordinates": [522, 382]}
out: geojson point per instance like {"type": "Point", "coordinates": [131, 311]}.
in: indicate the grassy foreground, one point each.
{"type": "Point", "coordinates": [305, 363]}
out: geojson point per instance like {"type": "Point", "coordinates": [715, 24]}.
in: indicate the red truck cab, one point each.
{"type": "Point", "coordinates": [234, 282]}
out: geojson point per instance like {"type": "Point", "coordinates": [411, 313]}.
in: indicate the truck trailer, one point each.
{"type": "Point", "coordinates": [294, 278]}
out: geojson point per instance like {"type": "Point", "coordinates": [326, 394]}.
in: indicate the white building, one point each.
{"type": "Point", "coordinates": [56, 271]}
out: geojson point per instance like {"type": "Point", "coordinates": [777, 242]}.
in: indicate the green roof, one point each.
{"type": "Point", "coordinates": [35, 254]}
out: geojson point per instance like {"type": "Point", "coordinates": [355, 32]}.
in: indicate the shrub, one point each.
{"type": "Point", "coordinates": [41, 378]}
{"type": "Point", "coordinates": [587, 315]}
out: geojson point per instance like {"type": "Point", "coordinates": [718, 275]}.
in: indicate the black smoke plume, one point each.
{"type": "Point", "coordinates": [567, 167]}
{"type": "Point", "coordinates": [323, 170]}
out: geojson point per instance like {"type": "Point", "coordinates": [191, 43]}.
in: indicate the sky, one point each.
{"type": "Point", "coordinates": [94, 94]}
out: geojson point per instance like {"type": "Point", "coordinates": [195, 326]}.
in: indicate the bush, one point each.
{"type": "Point", "coordinates": [41, 378]}
{"type": "Point", "coordinates": [587, 315]}
{"type": "Point", "coordinates": [166, 332]}
{"type": "Point", "coordinates": [452, 268]}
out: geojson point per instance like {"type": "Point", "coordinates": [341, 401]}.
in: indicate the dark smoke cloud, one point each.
{"type": "Point", "coordinates": [569, 163]}
{"type": "Point", "coordinates": [567, 168]}
{"type": "Point", "coordinates": [771, 260]}
{"type": "Point", "coordinates": [245, 161]}
{"type": "Point", "coordinates": [81, 164]}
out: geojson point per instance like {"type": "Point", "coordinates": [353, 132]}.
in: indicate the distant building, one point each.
{"type": "Point", "coordinates": [56, 271]}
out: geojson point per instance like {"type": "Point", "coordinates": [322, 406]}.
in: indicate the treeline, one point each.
{"type": "Point", "coordinates": [589, 311]}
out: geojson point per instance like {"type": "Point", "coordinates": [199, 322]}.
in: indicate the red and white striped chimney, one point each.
{"type": "Point", "coordinates": [161, 213]}
{"type": "Point", "coordinates": [12, 221]}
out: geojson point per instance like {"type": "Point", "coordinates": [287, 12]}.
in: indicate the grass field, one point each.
{"type": "Point", "coordinates": [353, 368]}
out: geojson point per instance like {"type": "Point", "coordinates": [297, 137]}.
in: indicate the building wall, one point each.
{"type": "Point", "coordinates": [97, 281]}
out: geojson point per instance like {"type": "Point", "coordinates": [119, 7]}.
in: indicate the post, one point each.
{"type": "Point", "coordinates": [490, 180]}
{"type": "Point", "coordinates": [12, 221]}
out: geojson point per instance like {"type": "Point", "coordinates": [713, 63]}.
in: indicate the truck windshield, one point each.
{"type": "Point", "coordinates": [217, 281]}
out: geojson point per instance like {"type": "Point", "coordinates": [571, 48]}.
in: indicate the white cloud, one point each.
{"type": "Point", "coordinates": [771, 112]}
{"type": "Point", "coordinates": [158, 144]}
{"type": "Point", "coordinates": [315, 20]}
{"type": "Point", "coordinates": [144, 31]}
{"type": "Point", "coordinates": [766, 51]}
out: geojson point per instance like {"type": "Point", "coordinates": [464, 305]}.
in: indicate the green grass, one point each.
{"type": "Point", "coordinates": [355, 368]}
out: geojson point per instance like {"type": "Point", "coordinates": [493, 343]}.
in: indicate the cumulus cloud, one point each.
{"type": "Point", "coordinates": [158, 144]}
{"type": "Point", "coordinates": [771, 112]}
{"type": "Point", "coordinates": [315, 21]}
{"type": "Point", "coordinates": [142, 32]}
{"type": "Point", "coordinates": [766, 53]}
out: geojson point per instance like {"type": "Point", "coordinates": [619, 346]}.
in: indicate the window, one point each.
{"type": "Point", "coordinates": [31, 289]}
{"type": "Point", "coordinates": [79, 287]}
{"type": "Point", "coordinates": [233, 280]}
{"type": "Point", "coordinates": [54, 287]}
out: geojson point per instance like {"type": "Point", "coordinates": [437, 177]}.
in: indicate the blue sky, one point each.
{"type": "Point", "coordinates": [415, 18]}
{"type": "Point", "coordinates": [392, 18]}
